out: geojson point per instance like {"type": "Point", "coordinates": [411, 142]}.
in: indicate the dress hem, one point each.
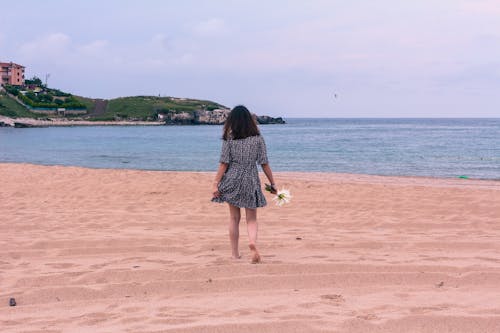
{"type": "Point", "coordinates": [220, 200]}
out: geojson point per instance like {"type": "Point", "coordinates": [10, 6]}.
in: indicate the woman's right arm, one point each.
{"type": "Point", "coordinates": [263, 161]}
{"type": "Point", "coordinates": [269, 174]}
{"type": "Point", "coordinates": [220, 172]}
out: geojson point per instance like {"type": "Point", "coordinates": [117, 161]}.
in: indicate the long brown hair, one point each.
{"type": "Point", "coordinates": [240, 124]}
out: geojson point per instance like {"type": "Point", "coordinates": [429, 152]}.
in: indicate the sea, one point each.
{"type": "Point", "coordinates": [464, 148]}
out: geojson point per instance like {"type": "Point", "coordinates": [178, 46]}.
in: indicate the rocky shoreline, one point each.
{"type": "Point", "coordinates": [29, 122]}
{"type": "Point", "coordinates": [178, 119]}
{"type": "Point", "coordinates": [205, 117]}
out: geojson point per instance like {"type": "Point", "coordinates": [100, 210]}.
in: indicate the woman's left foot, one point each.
{"type": "Point", "coordinates": [255, 254]}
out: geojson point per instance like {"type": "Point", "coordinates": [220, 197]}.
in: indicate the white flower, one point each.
{"type": "Point", "coordinates": [282, 197]}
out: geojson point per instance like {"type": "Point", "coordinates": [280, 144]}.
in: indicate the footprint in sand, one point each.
{"type": "Point", "coordinates": [316, 257]}
{"type": "Point", "coordinates": [369, 316]}
{"type": "Point", "coordinates": [427, 309]}
{"type": "Point", "coordinates": [333, 298]}
{"type": "Point", "coordinates": [308, 305]}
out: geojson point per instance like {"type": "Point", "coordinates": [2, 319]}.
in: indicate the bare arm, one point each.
{"type": "Point", "coordinates": [269, 174]}
{"type": "Point", "coordinates": [220, 172]}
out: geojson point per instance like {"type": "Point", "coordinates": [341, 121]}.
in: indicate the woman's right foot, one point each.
{"type": "Point", "coordinates": [255, 254]}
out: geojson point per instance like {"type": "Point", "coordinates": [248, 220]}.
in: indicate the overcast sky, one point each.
{"type": "Point", "coordinates": [413, 58]}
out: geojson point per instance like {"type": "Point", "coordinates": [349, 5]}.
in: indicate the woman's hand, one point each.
{"type": "Point", "coordinates": [218, 177]}
{"type": "Point", "coordinates": [271, 188]}
{"type": "Point", "coordinates": [215, 191]}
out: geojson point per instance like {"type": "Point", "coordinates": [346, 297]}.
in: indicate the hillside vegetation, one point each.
{"type": "Point", "coordinates": [39, 96]}
{"type": "Point", "coordinates": [148, 107]}
{"type": "Point", "coordinates": [10, 108]}
{"type": "Point", "coordinates": [145, 108]}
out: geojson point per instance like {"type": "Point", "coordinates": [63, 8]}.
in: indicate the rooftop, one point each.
{"type": "Point", "coordinates": [11, 64]}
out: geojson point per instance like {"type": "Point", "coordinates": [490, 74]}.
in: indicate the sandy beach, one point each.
{"type": "Point", "coordinates": [101, 250]}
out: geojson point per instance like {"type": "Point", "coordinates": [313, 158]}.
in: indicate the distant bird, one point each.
{"type": "Point", "coordinates": [335, 95]}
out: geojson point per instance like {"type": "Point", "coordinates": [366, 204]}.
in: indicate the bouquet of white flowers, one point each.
{"type": "Point", "coordinates": [282, 197]}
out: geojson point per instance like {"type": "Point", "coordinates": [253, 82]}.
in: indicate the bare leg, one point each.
{"type": "Point", "coordinates": [252, 228]}
{"type": "Point", "coordinates": [234, 230]}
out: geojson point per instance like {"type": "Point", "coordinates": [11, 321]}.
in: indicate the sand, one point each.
{"type": "Point", "coordinates": [89, 250]}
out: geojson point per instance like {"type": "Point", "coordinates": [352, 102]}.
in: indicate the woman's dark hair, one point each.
{"type": "Point", "coordinates": [240, 124]}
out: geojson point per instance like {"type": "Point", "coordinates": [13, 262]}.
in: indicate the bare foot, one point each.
{"type": "Point", "coordinates": [255, 254]}
{"type": "Point", "coordinates": [236, 257]}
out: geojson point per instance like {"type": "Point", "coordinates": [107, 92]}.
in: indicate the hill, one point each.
{"type": "Point", "coordinates": [149, 107]}
{"type": "Point", "coordinates": [41, 103]}
{"type": "Point", "coordinates": [11, 108]}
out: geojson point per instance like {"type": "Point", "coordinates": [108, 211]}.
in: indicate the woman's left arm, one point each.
{"type": "Point", "coordinates": [220, 172]}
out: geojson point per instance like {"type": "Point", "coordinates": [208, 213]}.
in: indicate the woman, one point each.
{"type": "Point", "coordinates": [237, 179]}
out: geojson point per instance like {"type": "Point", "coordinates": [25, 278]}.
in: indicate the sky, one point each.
{"type": "Point", "coordinates": [412, 58]}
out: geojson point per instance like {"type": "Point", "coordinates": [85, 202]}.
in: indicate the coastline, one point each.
{"type": "Point", "coordinates": [119, 249]}
{"type": "Point", "coordinates": [29, 122]}
{"type": "Point", "coordinates": [320, 176]}
{"type": "Point", "coordinates": [65, 122]}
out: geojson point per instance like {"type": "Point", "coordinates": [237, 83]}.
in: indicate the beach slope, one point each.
{"type": "Point", "coordinates": [96, 250]}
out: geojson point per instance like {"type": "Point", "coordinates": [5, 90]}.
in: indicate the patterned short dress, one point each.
{"type": "Point", "coordinates": [240, 185]}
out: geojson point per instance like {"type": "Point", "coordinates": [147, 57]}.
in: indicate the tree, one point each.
{"type": "Point", "coordinates": [31, 95]}
{"type": "Point", "coordinates": [47, 98]}
{"type": "Point", "coordinates": [34, 80]}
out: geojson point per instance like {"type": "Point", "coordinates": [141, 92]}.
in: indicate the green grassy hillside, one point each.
{"type": "Point", "coordinates": [88, 102]}
{"type": "Point", "coordinates": [10, 108]}
{"type": "Point", "coordinates": [147, 107]}
{"type": "Point", "coordinates": [133, 108]}
{"type": "Point", "coordinates": [43, 97]}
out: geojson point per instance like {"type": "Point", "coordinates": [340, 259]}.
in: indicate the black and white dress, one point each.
{"type": "Point", "coordinates": [240, 185]}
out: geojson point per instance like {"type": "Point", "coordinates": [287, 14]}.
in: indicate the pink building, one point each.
{"type": "Point", "coordinates": [11, 73]}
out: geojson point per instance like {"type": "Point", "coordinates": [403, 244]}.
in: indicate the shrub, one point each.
{"type": "Point", "coordinates": [45, 101]}
{"type": "Point", "coordinates": [25, 99]}
{"type": "Point", "coordinates": [47, 98]}
{"type": "Point", "coordinates": [34, 80]}
{"type": "Point", "coordinates": [12, 90]}
{"type": "Point", "coordinates": [32, 96]}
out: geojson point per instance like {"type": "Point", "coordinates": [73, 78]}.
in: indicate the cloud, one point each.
{"type": "Point", "coordinates": [210, 27]}
{"type": "Point", "coordinates": [277, 49]}
{"type": "Point", "coordinates": [483, 7]}
{"type": "Point", "coordinates": [161, 41]}
{"type": "Point", "coordinates": [94, 48]}
{"type": "Point", "coordinates": [59, 54]}
{"type": "Point", "coordinates": [56, 44]}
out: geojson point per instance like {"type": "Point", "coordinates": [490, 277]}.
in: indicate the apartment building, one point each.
{"type": "Point", "coordinates": [11, 73]}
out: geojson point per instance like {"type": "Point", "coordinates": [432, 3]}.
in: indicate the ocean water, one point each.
{"type": "Point", "coordinates": [410, 147]}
